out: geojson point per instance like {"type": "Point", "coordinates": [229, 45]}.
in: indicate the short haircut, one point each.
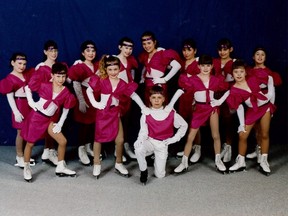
{"type": "Point", "coordinates": [59, 68]}
{"type": "Point", "coordinates": [205, 59]}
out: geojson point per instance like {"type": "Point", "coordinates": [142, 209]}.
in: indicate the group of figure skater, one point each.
{"type": "Point", "coordinates": [99, 94]}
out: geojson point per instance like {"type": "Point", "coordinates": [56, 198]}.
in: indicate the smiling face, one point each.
{"type": "Point", "coordinates": [113, 71]}
{"type": "Point", "coordinates": [239, 74]}
{"type": "Point", "coordinates": [189, 53]}
{"type": "Point", "coordinates": [126, 48]}
{"type": "Point", "coordinates": [205, 69]}
{"type": "Point", "coordinates": [89, 53]}
{"type": "Point", "coordinates": [51, 53]}
{"type": "Point", "coordinates": [157, 100]}
{"type": "Point", "coordinates": [19, 65]}
{"type": "Point", "coordinates": [259, 57]}
{"type": "Point", "coordinates": [224, 53]}
{"type": "Point", "coordinates": [148, 44]}
{"type": "Point", "coordinates": [58, 79]}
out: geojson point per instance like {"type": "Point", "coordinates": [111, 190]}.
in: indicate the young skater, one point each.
{"type": "Point", "coordinates": [223, 66]}
{"type": "Point", "coordinates": [44, 117]}
{"type": "Point", "coordinates": [157, 132]}
{"type": "Point", "coordinates": [13, 86]}
{"type": "Point", "coordinates": [186, 102]}
{"type": "Point", "coordinates": [157, 61]}
{"type": "Point", "coordinates": [128, 67]}
{"type": "Point", "coordinates": [43, 75]}
{"type": "Point", "coordinates": [84, 113]}
{"type": "Point", "coordinates": [108, 122]}
{"type": "Point", "coordinates": [203, 86]}
{"type": "Point", "coordinates": [259, 109]}
{"type": "Point", "coordinates": [262, 73]}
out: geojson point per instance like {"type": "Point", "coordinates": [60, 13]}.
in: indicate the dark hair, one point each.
{"type": "Point", "coordinates": [224, 43]}
{"type": "Point", "coordinates": [189, 43]}
{"type": "Point", "coordinates": [18, 56]}
{"type": "Point", "coordinates": [84, 46]}
{"type": "Point", "coordinates": [59, 68]}
{"type": "Point", "coordinates": [238, 63]}
{"type": "Point", "coordinates": [259, 48]}
{"type": "Point", "coordinates": [205, 59]}
{"type": "Point", "coordinates": [50, 43]}
{"type": "Point", "coordinates": [125, 39]}
{"type": "Point", "coordinates": [156, 89]}
{"type": "Point", "coordinates": [151, 36]}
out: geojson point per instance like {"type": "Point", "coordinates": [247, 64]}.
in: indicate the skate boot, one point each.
{"type": "Point", "coordinates": [45, 155]}
{"type": "Point", "coordinates": [143, 177]}
{"type": "Point", "coordinates": [197, 154]}
{"type": "Point", "coordinates": [83, 156]}
{"type": "Point", "coordinates": [240, 164]}
{"type": "Point", "coordinates": [20, 161]}
{"type": "Point", "coordinates": [89, 150]}
{"type": "Point", "coordinates": [256, 153]}
{"type": "Point", "coordinates": [128, 151]}
{"type": "Point", "coordinates": [183, 166]}
{"type": "Point", "coordinates": [123, 157]}
{"type": "Point", "coordinates": [63, 171]}
{"type": "Point", "coordinates": [219, 164]}
{"type": "Point", "coordinates": [27, 172]}
{"type": "Point", "coordinates": [53, 157]}
{"type": "Point", "coordinates": [226, 153]}
{"type": "Point", "coordinates": [121, 170]}
{"type": "Point", "coordinates": [264, 165]}
{"type": "Point", "coordinates": [96, 170]}
{"type": "Point", "coordinates": [180, 154]}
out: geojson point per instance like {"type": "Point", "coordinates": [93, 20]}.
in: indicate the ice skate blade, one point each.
{"type": "Point", "coordinates": [263, 172]}
{"type": "Point", "coordinates": [241, 169]}
{"type": "Point", "coordinates": [121, 174]}
{"type": "Point", "coordinates": [143, 183]}
{"type": "Point", "coordinates": [65, 175]}
{"type": "Point", "coordinates": [28, 180]}
{"type": "Point", "coordinates": [182, 172]}
{"type": "Point", "coordinates": [221, 171]}
{"type": "Point", "coordinates": [17, 165]}
{"type": "Point", "coordinates": [96, 177]}
{"type": "Point", "coordinates": [48, 162]}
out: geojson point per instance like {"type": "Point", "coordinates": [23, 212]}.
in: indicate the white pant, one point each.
{"type": "Point", "coordinates": [160, 150]}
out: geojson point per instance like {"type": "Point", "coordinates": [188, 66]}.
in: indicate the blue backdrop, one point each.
{"type": "Point", "coordinates": [26, 24]}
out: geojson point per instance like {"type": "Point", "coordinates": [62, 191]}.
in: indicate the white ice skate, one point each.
{"type": "Point", "coordinates": [20, 162]}
{"type": "Point", "coordinates": [264, 165]}
{"type": "Point", "coordinates": [196, 155]}
{"type": "Point", "coordinates": [240, 164]}
{"type": "Point", "coordinates": [82, 153]}
{"type": "Point", "coordinates": [89, 150]}
{"type": "Point", "coordinates": [124, 159]}
{"type": "Point", "coordinates": [183, 166]}
{"type": "Point", "coordinates": [63, 171]}
{"type": "Point", "coordinates": [121, 170]}
{"type": "Point", "coordinates": [219, 164]}
{"type": "Point", "coordinates": [27, 172]}
{"type": "Point", "coordinates": [96, 170]}
{"type": "Point", "coordinates": [128, 151]}
{"type": "Point", "coordinates": [226, 153]}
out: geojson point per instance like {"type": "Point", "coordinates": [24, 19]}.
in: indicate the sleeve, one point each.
{"type": "Point", "coordinates": [6, 85]}
{"type": "Point", "coordinates": [94, 83]}
{"type": "Point", "coordinates": [181, 126]}
{"type": "Point", "coordinates": [233, 100]}
{"type": "Point", "coordinates": [276, 78]}
{"type": "Point", "coordinates": [143, 132]}
{"type": "Point", "coordinates": [70, 101]}
{"type": "Point", "coordinates": [130, 88]}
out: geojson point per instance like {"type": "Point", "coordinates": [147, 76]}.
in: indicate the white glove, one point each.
{"type": "Point", "coordinates": [138, 143]}
{"type": "Point", "coordinates": [58, 126]}
{"type": "Point", "coordinates": [241, 117]}
{"type": "Point", "coordinates": [79, 94]}
{"type": "Point", "coordinates": [169, 141]}
{"type": "Point", "coordinates": [159, 80]}
{"type": "Point", "coordinates": [98, 105]}
{"type": "Point", "coordinates": [215, 102]}
{"type": "Point", "coordinates": [18, 116]}
{"type": "Point", "coordinates": [271, 90]}
{"type": "Point", "coordinates": [241, 128]}
{"type": "Point", "coordinates": [174, 99]}
{"type": "Point", "coordinates": [30, 100]}
{"type": "Point", "coordinates": [134, 96]}
{"type": "Point", "coordinates": [175, 67]}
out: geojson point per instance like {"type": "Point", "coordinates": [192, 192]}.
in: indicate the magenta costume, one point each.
{"type": "Point", "coordinates": [202, 110]}
{"type": "Point", "coordinates": [238, 96]}
{"type": "Point", "coordinates": [186, 100]}
{"type": "Point", "coordinates": [12, 83]}
{"type": "Point", "coordinates": [107, 120]}
{"type": "Point", "coordinates": [262, 75]}
{"type": "Point", "coordinates": [161, 130]}
{"type": "Point", "coordinates": [80, 72]}
{"type": "Point", "coordinates": [159, 61]}
{"type": "Point", "coordinates": [125, 101]}
{"type": "Point", "coordinates": [35, 128]}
